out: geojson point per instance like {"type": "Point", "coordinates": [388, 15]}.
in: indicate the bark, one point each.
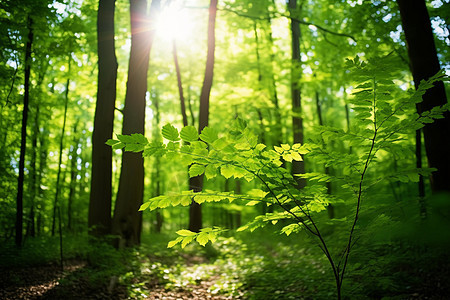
{"type": "Point", "coordinates": [99, 219]}
{"type": "Point", "coordinates": [23, 141]}
{"type": "Point", "coordinates": [196, 183]}
{"type": "Point", "coordinates": [298, 167]}
{"type": "Point", "coordinates": [127, 220]}
{"type": "Point", "coordinates": [424, 63]}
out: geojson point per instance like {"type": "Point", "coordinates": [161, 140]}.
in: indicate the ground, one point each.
{"type": "Point", "coordinates": [48, 282]}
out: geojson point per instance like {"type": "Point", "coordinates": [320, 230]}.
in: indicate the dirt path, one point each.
{"type": "Point", "coordinates": [49, 282]}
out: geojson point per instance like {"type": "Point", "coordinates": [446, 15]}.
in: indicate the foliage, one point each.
{"type": "Point", "coordinates": [382, 120]}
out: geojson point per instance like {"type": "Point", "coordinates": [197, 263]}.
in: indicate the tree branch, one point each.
{"type": "Point", "coordinates": [278, 15]}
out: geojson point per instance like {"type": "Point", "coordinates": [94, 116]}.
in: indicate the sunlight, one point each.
{"type": "Point", "coordinates": [175, 22]}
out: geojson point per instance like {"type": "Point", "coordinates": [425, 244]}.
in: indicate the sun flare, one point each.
{"type": "Point", "coordinates": [175, 22]}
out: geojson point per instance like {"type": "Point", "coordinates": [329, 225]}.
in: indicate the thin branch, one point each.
{"type": "Point", "coordinates": [278, 15]}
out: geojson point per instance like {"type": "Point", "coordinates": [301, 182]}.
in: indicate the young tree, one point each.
{"type": "Point", "coordinates": [424, 64]}
{"type": "Point", "coordinates": [99, 220]}
{"type": "Point", "coordinates": [127, 219]}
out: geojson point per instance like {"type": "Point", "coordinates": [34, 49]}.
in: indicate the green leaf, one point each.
{"type": "Point", "coordinates": [227, 171]}
{"type": "Point", "coordinates": [196, 170]}
{"type": "Point", "coordinates": [112, 142]}
{"type": "Point", "coordinates": [187, 240]}
{"type": "Point", "coordinates": [296, 156]}
{"type": "Point", "coordinates": [189, 134]}
{"type": "Point", "coordinates": [144, 206]}
{"type": "Point", "coordinates": [185, 232]}
{"type": "Point", "coordinates": [208, 135]}
{"type": "Point", "coordinates": [285, 146]}
{"type": "Point", "coordinates": [203, 238]}
{"type": "Point", "coordinates": [278, 149]}
{"type": "Point", "coordinates": [174, 242]}
{"type": "Point", "coordinates": [119, 145]}
{"type": "Point", "coordinates": [170, 133]}
{"type": "Point", "coordinates": [242, 228]}
{"type": "Point", "coordinates": [210, 171]}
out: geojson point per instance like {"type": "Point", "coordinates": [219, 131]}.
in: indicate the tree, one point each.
{"type": "Point", "coordinates": [127, 220]}
{"type": "Point", "coordinates": [99, 220]}
{"type": "Point", "coordinates": [424, 64]}
{"type": "Point", "coordinates": [298, 167]}
{"type": "Point", "coordinates": [196, 183]}
{"type": "Point", "coordinates": [23, 141]}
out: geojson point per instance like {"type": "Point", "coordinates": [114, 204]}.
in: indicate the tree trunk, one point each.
{"type": "Point", "coordinates": [330, 207]}
{"type": "Point", "coordinates": [180, 84]}
{"type": "Point", "coordinates": [298, 167]}
{"type": "Point", "coordinates": [424, 63]}
{"type": "Point", "coordinates": [23, 142]}
{"type": "Point", "coordinates": [56, 205]}
{"type": "Point", "coordinates": [156, 180]}
{"type": "Point", "coordinates": [73, 177]}
{"type": "Point", "coordinates": [127, 221]}
{"type": "Point", "coordinates": [196, 183]}
{"type": "Point", "coordinates": [421, 183]}
{"type": "Point", "coordinates": [99, 220]}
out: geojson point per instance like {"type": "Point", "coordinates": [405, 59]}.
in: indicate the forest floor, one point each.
{"type": "Point", "coordinates": [265, 266]}
{"type": "Point", "coordinates": [50, 282]}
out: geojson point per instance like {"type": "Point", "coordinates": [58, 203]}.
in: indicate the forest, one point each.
{"type": "Point", "coordinates": [232, 149]}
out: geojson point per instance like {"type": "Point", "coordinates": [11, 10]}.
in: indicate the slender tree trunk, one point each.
{"type": "Point", "coordinates": [43, 152]}
{"type": "Point", "coordinates": [73, 177]}
{"type": "Point", "coordinates": [180, 84]}
{"type": "Point", "coordinates": [278, 126]}
{"type": "Point", "coordinates": [196, 183]}
{"type": "Point", "coordinates": [56, 204]}
{"type": "Point", "coordinates": [424, 64]}
{"type": "Point", "coordinates": [127, 221]}
{"type": "Point", "coordinates": [23, 142]}
{"type": "Point", "coordinates": [157, 169]}
{"type": "Point", "coordinates": [99, 220]}
{"type": "Point", "coordinates": [330, 207]}
{"type": "Point", "coordinates": [298, 167]}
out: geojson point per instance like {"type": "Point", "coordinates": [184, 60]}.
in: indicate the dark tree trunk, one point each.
{"type": "Point", "coordinates": [298, 167]}
{"type": "Point", "coordinates": [156, 180]}
{"type": "Point", "coordinates": [196, 183]}
{"type": "Point", "coordinates": [127, 221]}
{"type": "Point", "coordinates": [73, 178]}
{"type": "Point", "coordinates": [421, 183]}
{"type": "Point", "coordinates": [23, 141]}
{"type": "Point", "coordinates": [56, 204]}
{"type": "Point", "coordinates": [330, 207]}
{"type": "Point", "coordinates": [99, 220]}
{"type": "Point", "coordinates": [424, 63]}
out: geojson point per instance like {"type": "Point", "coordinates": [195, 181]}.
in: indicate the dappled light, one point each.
{"type": "Point", "coordinates": [205, 149]}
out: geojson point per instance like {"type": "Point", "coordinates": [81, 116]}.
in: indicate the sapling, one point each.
{"type": "Point", "coordinates": [382, 117]}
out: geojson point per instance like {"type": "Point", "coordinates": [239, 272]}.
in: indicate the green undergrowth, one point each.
{"type": "Point", "coordinates": [394, 263]}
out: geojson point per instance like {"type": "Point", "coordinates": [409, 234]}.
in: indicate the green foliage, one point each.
{"type": "Point", "coordinates": [382, 122]}
{"type": "Point", "coordinates": [384, 116]}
